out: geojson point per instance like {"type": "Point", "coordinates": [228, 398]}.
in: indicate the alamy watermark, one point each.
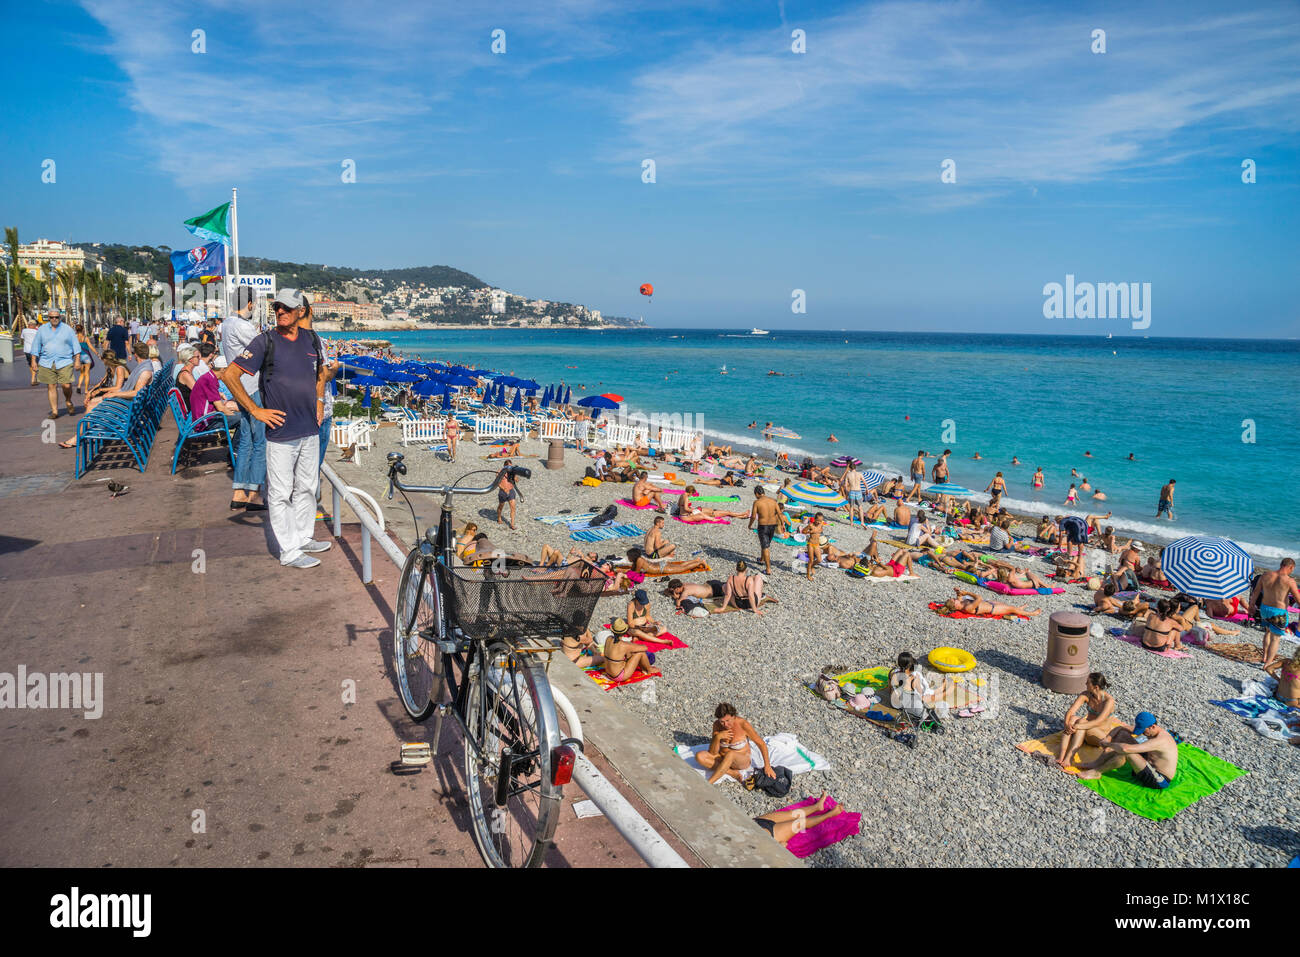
{"type": "Point", "coordinates": [1103, 300]}
{"type": "Point", "coordinates": [75, 691]}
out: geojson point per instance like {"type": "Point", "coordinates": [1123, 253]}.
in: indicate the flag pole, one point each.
{"type": "Point", "coordinates": [234, 241]}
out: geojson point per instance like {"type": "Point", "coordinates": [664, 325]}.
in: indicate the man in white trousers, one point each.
{"type": "Point", "coordinates": [293, 375]}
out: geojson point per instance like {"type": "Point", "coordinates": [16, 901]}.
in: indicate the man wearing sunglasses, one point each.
{"type": "Point", "coordinates": [293, 374]}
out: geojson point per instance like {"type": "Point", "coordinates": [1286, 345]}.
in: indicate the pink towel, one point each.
{"type": "Point", "coordinates": [1166, 653]}
{"type": "Point", "coordinates": [665, 642]}
{"type": "Point", "coordinates": [628, 504]}
{"type": "Point", "coordinates": [828, 832]}
{"type": "Point", "coordinates": [702, 521]}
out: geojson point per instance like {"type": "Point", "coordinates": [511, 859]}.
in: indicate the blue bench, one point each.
{"type": "Point", "coordinates": [133, 422]}
{"type": "Point", "coordinates": [214, 423]}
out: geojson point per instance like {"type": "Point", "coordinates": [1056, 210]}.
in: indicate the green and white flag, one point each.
{"type": "Point", "coordinates": [214, 225]}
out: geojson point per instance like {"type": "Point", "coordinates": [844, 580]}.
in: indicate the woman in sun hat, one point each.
{"type": "Point", "coordinates": [624, 658]}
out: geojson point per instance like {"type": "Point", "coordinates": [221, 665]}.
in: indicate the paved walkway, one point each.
{"type": "Point", "coordinates": [225, 737]}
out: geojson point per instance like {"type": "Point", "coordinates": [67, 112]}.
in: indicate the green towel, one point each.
{"type": "Point", "coordinates": [1198, 774]}
{"type": "Point", "coordinates": [866, 678]}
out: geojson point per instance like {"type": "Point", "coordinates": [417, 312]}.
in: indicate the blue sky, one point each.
{"type": "Point", "coordinates": [775, 170]}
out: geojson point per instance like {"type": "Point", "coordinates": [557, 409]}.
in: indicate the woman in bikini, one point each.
{"type": "Point", "coordinates": [899, 564]}
{"type": "Point", "coordinates": [687, 511]}
{"type": "Point", "coordinates": [744, 589]}
{"type": "Point", "coordinates": [1038, 479]}
{"type": "Point", "coordinates": [1287, 673]}
{"type": "Point", "coordinates": [585, 645]}
{"type": "Point", "coordinates": [465, 540]}
{"type": "Point", "coordinates": [1098, 705]}
{"type": "Point", "coordinates": [453, 434]}
{"type": "Point", "coordinates": [1188, 617]}
{"type": "Point", "coordinates": [646, 566]}
{"type": "Point", "coordinates": [729, 747]}
{"type": "Point", "coordinates": [623, 658]}
{"type": "Point", "coordinates": [641, 625]}
{"type": "Point", "coordinates": [1018, 577]}
{"type": "Point", "coordinates": [906, 679]}
{"type": "Point", "coordinates": [971, 604]}
{"type": "Point", "coordinates": [1162, 631]}
{"type": "Point", "coordinates": [817, 543]}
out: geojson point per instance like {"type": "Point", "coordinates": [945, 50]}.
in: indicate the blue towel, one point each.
{"type": "Point", "coordinates": [604, 533]}
{"type": "Point", "coordinates": [1252, 707]}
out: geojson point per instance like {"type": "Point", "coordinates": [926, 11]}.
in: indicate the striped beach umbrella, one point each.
{"type": "Point", "coordinates": [816, 495]}
{"type": "Point", "coordinates": [948, 488]}
{"type": "Point", "coordinates": [843, 461]}
{"type": "Point", "coordinates": [1207, 567]}
{"type": "Point", "coordinates": [872, 479]}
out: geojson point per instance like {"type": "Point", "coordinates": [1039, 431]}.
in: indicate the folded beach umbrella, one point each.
{"type": "Point", "coordinates": [518, 404]}
{"type": "Point", "coordinates": [873, 479]}
{"type": "Point", "coordinates": [843, 461]}
{"type": "Point", "coordinates": [815, 494]}
{"type": "Point", "coordinates": [595, 402]}
{"type": "Point", "coordinates": [568, 396]}
{"type": "Point", "coordinates": [1207, 567]}
{"type": "Point", "coordinates": [365, 400]}
{"type": "Point", "coordinates": [446, 399]}
{"type": "Point", "coordinates": [947, 488]}
{"type": "Point", "coordinates": [501, 395]}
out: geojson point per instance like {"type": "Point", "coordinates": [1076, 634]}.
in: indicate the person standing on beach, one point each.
{"type": "Point", "coordinates": [1038, 479]}
{"type": "Point", "coordinates": [918, 467]}
{"type": "Point", "coordinates": [769, 517]}
{"type": "Point", "coordinates": [1272, 594]}
{"type": "Point", "coordinates": [293, 376]}
{"type": "Point", "coordinates": [940, 471]}
{"type": "Point", "coordinates": [851, 488]}
{"type": "Point", "coordinates": [506, 493]}
{"type": "Point", "coordinates": [1166, 500]}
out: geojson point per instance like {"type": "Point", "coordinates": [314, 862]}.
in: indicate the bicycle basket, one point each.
{"type": "Point", "coordinates": [519, 602]}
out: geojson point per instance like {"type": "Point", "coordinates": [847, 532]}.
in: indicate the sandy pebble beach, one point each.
{"type": "Point", "coordinates": [966, 797]}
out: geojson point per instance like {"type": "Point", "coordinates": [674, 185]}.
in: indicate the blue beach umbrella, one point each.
{"type": "Point", "coordinates": [446, 399]}
{"type": "Point", "coordinates": [568, 396]}
{"type": "Point", "coordinates": [948, 488]}
{"type": "Point", "coordinates": [398, 376]}
{"type": "Point", "coordinates": [457, 380]}
{"type": "Point", "coordinates": [426, 388]}
{"type": "Point", "coordinates": [815, 494]}
{"type": "Point", "coordinates": [365, 400]}
{"type": "Point", "coordinates": [367, 381]}
{"type": "Point", "coordinates": [518, 404]}
{"type": "Point", "coordinates": [871, 479]}
{"type": "Point", "coordinates": [1207, 567]}
{"type": "Point", "coordinates": [597, 402]}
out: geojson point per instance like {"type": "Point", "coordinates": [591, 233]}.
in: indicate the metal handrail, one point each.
{"type": "Point", "coordinates": [636, 830]}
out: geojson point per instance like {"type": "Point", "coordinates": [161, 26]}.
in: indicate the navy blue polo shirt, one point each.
{"type": "Point", "coordinates": [291, 385]}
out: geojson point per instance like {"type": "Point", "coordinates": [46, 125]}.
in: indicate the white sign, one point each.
{"type": "Point", "coordinates": [264, 283]}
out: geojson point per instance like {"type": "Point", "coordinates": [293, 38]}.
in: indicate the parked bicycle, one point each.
{"type": "Point", "coordinates": [485, 633]}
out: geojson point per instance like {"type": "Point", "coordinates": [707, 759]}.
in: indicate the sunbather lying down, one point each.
{"type": "Point", "coordinates": [972, 604]}
{"type": "Point", "coordinates": [783, 825]}
{"type": "Point", "coordinates": [505, 452]}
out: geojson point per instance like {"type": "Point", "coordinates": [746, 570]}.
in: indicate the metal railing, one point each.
{"type": "Point", "coordinates": [636, 830]}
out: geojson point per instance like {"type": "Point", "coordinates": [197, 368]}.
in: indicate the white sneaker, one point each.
{"type": "Point", "coordinates": [316, 545]}
{"type": "Point", "coordinates": [303, 561]}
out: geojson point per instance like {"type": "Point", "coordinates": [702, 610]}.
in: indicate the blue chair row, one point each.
{"type": "Point", "coordinates": [214, 423]}
{"type": "Point", "coordinates": [133, 422]}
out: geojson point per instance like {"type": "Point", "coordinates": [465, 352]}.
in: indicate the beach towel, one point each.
{"type": "Point", "coordinates": [828, 832]}
{"type": "Point", "coordinates": [715, 607]}
{"type": "Point", "coordinates": [1004, 589]}
{"type": "Point", "coordinates": [628, 503]}
{"type": "Point", "coordinates": [702, 521]}
{"type": "Point", "coordinates": [1232, 650]}
{"type": "Point", "coordinates": [857, 572]}
{"type": "Point", "coordinates": [962, 696]}
{"type": "Point", "coordinates": [783, 749]}
{"type": "Point", "coordinates": [794, 541]}
{"type": "Point", "coordinates": [937, 608]}
{"type": "Point", "coordinates": [1049, 745]}
{"type": "Point", "coordinates": [604, 533]}
{"type": "Point", "coordinates": [1124, 636]}
{"type": "Point", "coordinates": [605, 681]}
{"type": "Point", "coordinates": [1254, 706]}
{"type": "Point", "coordinates": [565, 519]}
{"type": "Point", "coordinates": [1199, 774]}
{"type": "Point", "coordinates": [716, 498]}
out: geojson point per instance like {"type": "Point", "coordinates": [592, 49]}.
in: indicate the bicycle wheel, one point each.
{"type": "Point", "coordinates": [510, 713]}
{"type": "Point", "coordinates": [418, 618]}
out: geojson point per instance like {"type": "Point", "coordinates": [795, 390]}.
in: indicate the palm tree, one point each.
{"type": "Point", "coordinates": [67, 277]}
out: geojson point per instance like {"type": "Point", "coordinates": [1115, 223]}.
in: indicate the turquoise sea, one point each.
{"type": "Point", "coordinates": [1218, 415]}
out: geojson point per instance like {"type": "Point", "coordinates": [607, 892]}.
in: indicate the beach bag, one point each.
{"type": "Point", "coordinates": [605, 517]}
{"type": "Point", "coordinates": [591, 472]}
{"type": "Point", "coordinates": [591, 482]}
{"type": "Point", "coordinates": [776, 787]}
{"type": "Point", "coordinates": [828, 688]}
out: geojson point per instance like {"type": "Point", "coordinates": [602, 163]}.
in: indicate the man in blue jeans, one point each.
{"type": "Point", "coordinates": [250, 449]}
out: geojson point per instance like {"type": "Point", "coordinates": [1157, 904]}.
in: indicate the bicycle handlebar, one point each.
{"type": "Point", "coordinates": [397, 466]}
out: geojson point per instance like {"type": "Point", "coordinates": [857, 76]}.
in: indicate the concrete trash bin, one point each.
{"type": "Point", "coordinates": [1066, 669]}
{"type": "Point", "coordinates": [555, 454]}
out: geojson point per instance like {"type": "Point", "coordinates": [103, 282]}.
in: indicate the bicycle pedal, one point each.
{"type": "Point", "coordinates": [416, 754]}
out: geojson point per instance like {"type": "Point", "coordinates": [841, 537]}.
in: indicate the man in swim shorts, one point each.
{"type": "Point", "coordinates": [643, 493]}
{"type": "Point", "coordinates": [506, 493]}
{"type": "Point", "coordinates": [1166, 500]}
{"type": "Point", "coordinates": [918, 467]}
{"type": "Point", "coordinates": [770, 518]}
{"type": "Point", "coordinates": [1148, 748]}
{"type": "Point", "coordinates": [1272, 594]}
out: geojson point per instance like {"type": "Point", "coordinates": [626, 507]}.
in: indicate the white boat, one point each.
{"type": "Point", "coordinates": [724, 370]}
{"type": "Point", "coordinates": [757, 332]}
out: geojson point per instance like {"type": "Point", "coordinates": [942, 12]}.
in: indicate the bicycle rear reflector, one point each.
{"type": "Point", "coordinates": [562, 761]}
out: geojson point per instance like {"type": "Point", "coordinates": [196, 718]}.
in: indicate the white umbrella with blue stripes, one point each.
{"type": "Point", "coordinates": [871, 479]}
{"type": "Point", "coordinates": [1207, 567]}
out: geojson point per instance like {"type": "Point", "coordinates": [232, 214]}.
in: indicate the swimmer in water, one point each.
{"type": "Point", "coordinates": [1130, 457]}
{"type": "Point", "coordinates": [1087, 455]}
{"type": "Point", "coordinates": [977, 456]}
{"type": "Point", "coordinates": [1038, 478]}
{"type": "Point", "coordinates": [1015, 460]}
{"type": "Point", "coordinates": [1099, 495]}
{"type": "Point", "coordinates": [832, 438]}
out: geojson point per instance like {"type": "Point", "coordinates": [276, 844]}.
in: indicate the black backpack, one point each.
{"type": "Point", "coordinates": [776, 787]}
{"type": "Point", "coordinates": [605, 517]}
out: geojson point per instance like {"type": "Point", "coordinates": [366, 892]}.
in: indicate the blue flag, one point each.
{"type": "Point", "coordinates": [209, 260]}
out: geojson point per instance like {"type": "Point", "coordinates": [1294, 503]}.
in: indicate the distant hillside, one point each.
{"type": "Point", "coordinates": [155, 261]}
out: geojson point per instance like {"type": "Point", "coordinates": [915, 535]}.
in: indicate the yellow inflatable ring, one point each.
{"type": "Point", "coordinates": [952, 660]}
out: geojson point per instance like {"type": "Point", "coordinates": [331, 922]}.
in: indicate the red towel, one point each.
{"type": "Point", "coordinates": [936, 605]}
{"type": "Point", "coordinates": [665, 642]}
